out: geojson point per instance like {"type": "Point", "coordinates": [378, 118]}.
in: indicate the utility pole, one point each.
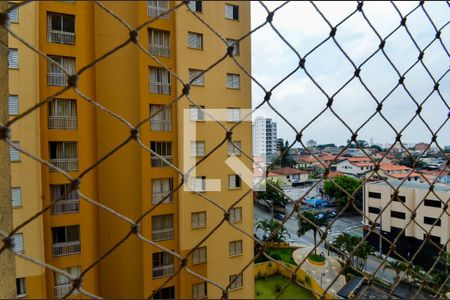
{"type": "Point", "coordinates": [7, 260]}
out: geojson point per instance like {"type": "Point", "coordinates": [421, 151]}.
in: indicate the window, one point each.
{"type": "Point", "coordinates": [234, 182]}
{"type": "Point", "coordinates": [69, 201]}
{"type": "Point", "coordinates": [198, 184]}
{"type": "Point", "coordinates": [61, 28]}
{"type": "Point", "coordinates": [235, 44]}
{"type": "Point", "coordinates": [13, 15]}
{"type": "Point", "coordinates": [232, 149]}
{"type": "Point", "coordinates": [432, 203]}
{"type": "Point", "coordinates": [196, 77]}
{"type": "Point", "coordinates": [235, 248]}
{"type": "Point", "coordinates": [234, 114]}
{"type": "Point", "coordinates": [62, 114]}
{"type": "Point", "coordinates": [161, 188]}
{"type": "Point", "coordinates": [162, 264]}
{"type": "Point", "coordinates": [56, 76]}
{"type": "Point", "coordinates": [63, 283]}
{"type": "Point", "coordinates": [198, 148]}
{"type": "Point", "coordinates": [398, 198]}
{"type": "Point", "coordinates": [14, 155]}
{"type": "Point", "coordinates": [16, 197]}
{"type": "Point", "coordinates": [164, 150]}
{"type": "Point", "coordinates": [64, 155]}
{"type": "Point", "coordinates": [21, 290]}
{"type": "Point", "coordinates": [162, 227]}
{"type": "Point", "coordinates": [431, 221]}
{"type": "Point", "coordinates": [397, 214]}
{"type": "Point", "coordinates": [161, 121]}
{"type": "Point", "coordinates": [231, 12]}
{"type": "Point", "coordinates": [159, 42]}
{"type": "Point", "coordinates": [233, 81]}
{"type": "Point", "coordinates": [156, 8]}
{"type": "Point", "coordinates": [13, 58]}
{"type": "Point", "coordinates": [236, 214]}
{"type": "Point", "coordinates": [434, 238]}
{"type": "Point", "coordinates": [13, 105]}
{"type": "Point", "coordinates": [198, 219]}
{"type": "Point", "coordinates": [195, 40]}
{"type": "Point", "coordinates": [199, 255]}
{"type": "Point", "coordinates": [199, 290]}
{"type": "Point", "coordinates": [196, 113]}
{"type": "Point", "coordinates": [236, 281]}
{"type": "Point", "coordinates": [374, 210]}
{"type": "Point", "coordinates": [165, 293]}
{"type": "Point", "coordinates": [159, 81]}
{"type": "Point", "coordinates": [374, 195]}
{"type": "Point", "coordinates": [195, 5]}
{"type": "Point", "coordinates": [66, 240]}
{"type": "Point", "coordinates": [18, 242]}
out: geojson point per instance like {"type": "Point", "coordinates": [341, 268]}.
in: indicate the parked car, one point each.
{"type": "Point", "coordinates": [279, 216]}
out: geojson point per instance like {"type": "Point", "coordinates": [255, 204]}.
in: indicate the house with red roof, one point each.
{"type": "Point", "coordinates": [287, 176]}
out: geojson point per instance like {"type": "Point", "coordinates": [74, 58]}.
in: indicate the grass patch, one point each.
{"type": "Point", "coordinates": [283, 254]}
{"type": "Point", "coordinates": [268, 289]}
{"type": "Point", "coordinates": [316, 258]}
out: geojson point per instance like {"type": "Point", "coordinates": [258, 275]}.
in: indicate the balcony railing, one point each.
{"type": "Point", "coordinates": [61, 37]}
{"type": "Point", "coordinates": [162, 235]}
{"type": "Point", "coordinates": [67, 248]}
{"type": "Point", "coordinates": [57, 79]}
{"type": "Point", "coordinates": [63, 289]}
{"type": "Point", "coordinates": [158, 162]}
{"type": "Point", "coordinates": [161, 125]}
{"type": "Point", "coordinates": [163, 271]}
{"type": "Point", "coordinates": [158, 50]}
{"type": "Point", "coordinates": [61, 122]}
{"type": "Point", "coordinates": [160, 88]}
{"type": "Point", "coordinates": [159, 196]}
{"type": "Point", "coordinates": [154, 11]}
{"type": "Point", "coordinates": [66, 164]}
{"type": "Point", "coordinates": [66, 206]}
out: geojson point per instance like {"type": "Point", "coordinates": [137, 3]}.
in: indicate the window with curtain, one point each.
{"type": "Point", "coordinates": [159, 81]}
{"type": "Point", "coordinates": [196, 113]}
{"type": "Point", "coordinates": [195, 40]}
{"type": "Point", "coordinates": [61, 279]}
{"type": "Point", "coordinates": [236, 214]}
{"type": "Point", "coordinates": [156, 8]}
{"type": "Point", "coordinates": [161, 121]}
{"type": "Point", "coordinates": [65, 234]}
{"type": "Point", "coordinates": [233, 81]}
{"type": "Point", "coordinates": [159, 42]}
{"type": "Point", "coordinates": [197, 148]}
{"type": "Point", "coordinates": [232, 149]}
{"type": "Point", "coordinates": [199, 255]}
{"type": "Point", "coordinates": [196, 77]}
{"type": "Point", "coordinates": [234, 114]}
{"type": "Point", "coordinates": [160, 189]}
{"type": "Point", "coordinates": [198, 219]}
{"type": "Point", "coordinates": [238, 281]}
{"type": "Point", "coordinates": [199, 290]}
{"type": "Point", "coordinates": [63, 150]}
{"type": "Point", "coordinates": [163, 149]}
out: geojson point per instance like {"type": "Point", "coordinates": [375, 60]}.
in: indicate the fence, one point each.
{"type": "Point", "coordinates": [427, 281]}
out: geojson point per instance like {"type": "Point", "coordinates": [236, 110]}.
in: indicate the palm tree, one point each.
{"type": "Point", "coordinates": [314, 223]}
{"type": "Point", "coordinates": [268, 226]}
{"type": "Point", "coordinates": [347, 244]}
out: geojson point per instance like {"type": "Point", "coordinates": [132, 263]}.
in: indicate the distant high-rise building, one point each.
{"type": "Point", "coordinates": [265, 136]}
{"type": "Point", "coordinates": [280, 144]}
{"type": "Point", "coordinates": [311, 144]}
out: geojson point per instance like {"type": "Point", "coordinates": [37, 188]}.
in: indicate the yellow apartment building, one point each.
{"type": "Point", "coordinates": [73, 134]}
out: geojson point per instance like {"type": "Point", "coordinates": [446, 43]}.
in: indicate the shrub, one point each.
{"type": "Point", "coordinates": [316, 258]}
{"type": "Point", "coordinates": [257, 293]}
{"type": "Point", "coordinates": [275, 255]}
{"type": "Point", "coordinates": [278, 287]}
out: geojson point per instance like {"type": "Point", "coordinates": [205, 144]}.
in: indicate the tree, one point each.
{"type": "Point", "coordinates": [376, 147]}
{"type": "Point", "coordinates": [409, 161]}
{"type": "Point", "coordinates": [440, 273]}
{"type": "Point", "coordinates": [397, 266]}
{"type": "Point", "coordinates": [274, 194]}
{"type": "Point", "coordinates": [304, 226]}
{"type": "Point", "coordinates": [347, 243]}
{"type": "Point", "coordinates": [268, 226]}
{"type": "Point", "coordinates": [349, 184]}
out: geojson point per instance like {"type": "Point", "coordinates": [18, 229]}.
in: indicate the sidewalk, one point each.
{"type": "Point", "coordinates": [323, 275]}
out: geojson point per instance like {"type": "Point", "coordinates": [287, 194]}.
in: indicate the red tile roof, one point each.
{"type": "Point", "coordinates": [286, 171]}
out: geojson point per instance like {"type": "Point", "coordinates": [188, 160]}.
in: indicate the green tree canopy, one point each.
{"type": "Point", "coordinates": [304, 226]}
{"type": "Point", "coordinates": [268, 226]}
{"type": "Point", "coordinates": [349, 184]}
{"type": "Point", "coordinates": [347, 243]}
{"type": "Point", "coordinates": [273, 194]}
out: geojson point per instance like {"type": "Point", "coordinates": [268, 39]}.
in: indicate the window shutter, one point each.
{"type": "Point", "coordinates": [16, 196]}
{"type": "Point", "coordinates": [13, 58]}
{"type": "Point", "coordinates": [13, 102]}
{"type": "Point", "coordinates": [193, 112]}
{"type": "Point", "coordinates": [192, 40]}
{"type": "Point", "coordinates": [13, 153]}
{"type": "Point", "coordinates": [18, 242]}
{"type": "Point", "coordinates": [202, 219]}
{"type": "Point", "coordinates": [13, 15]}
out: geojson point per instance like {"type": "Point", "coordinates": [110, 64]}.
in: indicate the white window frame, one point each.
{"type": "Point", "coordinates": [233, 114]}
{"type": "Point", "coordinates": [13, 15]}
{"type": "Point", "coordinates": [14, 155]}
{"type": "Point", "coordinates": [233, 150]}
{"type": "Point", "coordinates": [236, 215]}
{"type": "Point", "coordinates": [16, 197]}
{"type": "Point", "coordinates": [198, 81]}
{"type": "Point", "coordinates": [229, 12]}
{"type": "Point", "coordinates": [155, 8]}
{"type": "Point", "coordinates": [233, 81]}
{"type": "Point", "coordinates": [199, 255]}
{"type": "Point", "coordinates": [162, 121]}
{"type": "Point", "coordinates": [235, 248]}
{"type": "Point", "coordinates": [199, 290]}
{"type": "Point", "coordinates": [162, 227]}
{"type": "Point", "coordinates": [234, 182]}
{"type": "Point", "coordinates": [55, 74]}
{"type": "Point", "coordinates": [159, 42]}
{"type": "Point", "coordinates": [195, 40]}
{"type": "Point", "coordinates": [59, 35]}
{"type": "Point", "coordinates": [160, 184]}
{"type": "Point", "coordinates": [164, 149]}
{"type": "Point", "coordinates": [18, 240]}
{"type": "Point", "coordinates": [13, 105]}
{"type": "Point", "coordinates": [193, 6]}
{"type": "Point", "coordinates": [197, 114]}
{"type": "Point", "coordinates": [21, 287]}
{"type": "Point", "coordinates": [13, 58]}
{"type": "Point", "coordinates": [198, 148]}
{"type": "Point", "coordinates": [159, 81]}
{"type": "Point", "coordinates": [239, 283]}
{"type": "Point", "coordinates": [198, 184]}
{"type": "Point", "coordinates": [198, 219]}
{"type": "Point", "coordinates": [236, 46]}
{"type": "Point", "coordinates": [62, 114]}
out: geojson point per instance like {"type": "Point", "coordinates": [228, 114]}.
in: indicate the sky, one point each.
{"type": "Point", "coordinates": [299, 100]}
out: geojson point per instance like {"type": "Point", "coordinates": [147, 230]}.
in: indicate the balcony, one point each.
{"type": "Point", "coordinates": [161, 125]}
{"type": "Point", "coordinates": [66, 207]}
{"type": "Point", "coordinates": [62, 122]}
{"type": "Point", "coordinates": [57, 79]}
{"type": "Point", "coordinates": [61, 290]}
{"type": "Point", "coordinates": [61, 37]}
{"type": "Point", "coordinates": [162, 235]}
{"type": "Point", "coordinates": [66, 248]}
{"type": "Point", "coordinates": [163, 271]}
{"type": "Point", "coordinates": [160, 88]}
{"type": "Point", "coordinates": [158, 50]}
{"type": "Point", "coordinates": [158, 162]}
{"type": "Point", "coordinates": [159, 196]}
{"type": "Point", "coordinates": [66, 164]}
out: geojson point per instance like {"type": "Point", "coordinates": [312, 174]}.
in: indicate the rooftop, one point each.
{"type": "Point", "coordinates": [413, 185]}
{"type": "Point", "coordinates": [286, 171]}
